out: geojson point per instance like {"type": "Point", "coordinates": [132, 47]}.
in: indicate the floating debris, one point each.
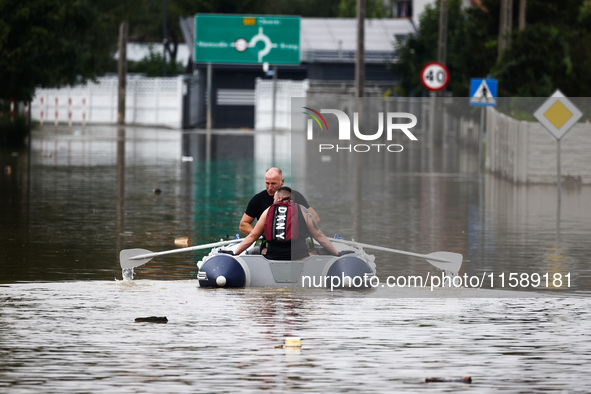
{"type": "Point", "coordinates": [464, 379]}
{"type": "Point", "coordinates": [293, 342]}
{"type": "Point", "coordinates": [183, 242]}
{"type": "Point", "coordinates": [151, 319]}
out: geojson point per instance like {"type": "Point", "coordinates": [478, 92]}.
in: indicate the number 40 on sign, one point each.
{"type": "Point", "coordinates": [434, 76]}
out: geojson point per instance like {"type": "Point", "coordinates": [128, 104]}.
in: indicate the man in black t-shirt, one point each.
{"type": "Point", "coordinates": [263, 200]}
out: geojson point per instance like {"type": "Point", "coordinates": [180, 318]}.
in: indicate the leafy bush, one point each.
{"type": "Point", "coordinates": [151, 66]}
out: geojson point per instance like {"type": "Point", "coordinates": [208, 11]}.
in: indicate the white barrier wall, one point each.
{"type": "Point", "coordinates": [285, 90]}
{"type": "Point", "coordinates": [149, 101]}
{"type": "Point", "coordinates": [525, 152]}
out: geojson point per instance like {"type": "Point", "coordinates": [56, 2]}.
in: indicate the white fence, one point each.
{"type": "Point", "coordinates": [149, 101]}
{"type": "Point", "coordinates": [156, 101]}
{"type": "Point", "coordinates": [525, 152]}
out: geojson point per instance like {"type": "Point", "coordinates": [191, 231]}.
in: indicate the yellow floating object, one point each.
{"type": "Point", "coordinates": [293, 342]}
{"type": "Point", "coordinates": [183, 242]}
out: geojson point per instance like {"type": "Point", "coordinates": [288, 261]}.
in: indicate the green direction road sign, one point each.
{"type": "Point", "coordinates": [247, 39]}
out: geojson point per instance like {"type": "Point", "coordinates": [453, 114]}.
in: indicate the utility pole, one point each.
{"type": "Point", "coordinates": [360, 58]}
{"type": "Point", "coordinates": [122, 91]}
{"type": "Point", "coordinates": [437, 104]}
{"type": "Point", "coordinates": [505, 23]}
{"type": "Point", "coordinates": [522, 12]}
{"type": "Point", "coordinates": [164, 36]}
{"type": "Point", "coordinates": [123, 28]}
{"type": "Point", "coordinates": [442, 44]}
{"type": "Point", "coordinates": [359, 93]}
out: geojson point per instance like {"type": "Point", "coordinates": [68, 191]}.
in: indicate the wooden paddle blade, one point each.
{"type": "Point", "coordinates": [452, 261]}
{"type": "Point", "coordinates": [126, 254]}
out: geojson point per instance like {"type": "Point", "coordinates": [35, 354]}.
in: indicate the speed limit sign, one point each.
{"type": "Point", "coordinates": [434, 76]}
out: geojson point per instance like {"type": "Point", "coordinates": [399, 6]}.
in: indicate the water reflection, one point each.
{"type": "Point", "coordinates": [121, 186]}
{"type": "Point", "coordinates": [525, 222]}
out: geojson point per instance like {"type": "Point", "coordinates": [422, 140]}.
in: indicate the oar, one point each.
{"type": "Point", "coordinates": [130, 258]}
{"type": "Point", "coordinates": [447, 261]}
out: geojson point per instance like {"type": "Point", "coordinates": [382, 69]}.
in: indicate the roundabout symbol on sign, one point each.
{"type": "Point", "coordinates": [434, 76]}
{"type": "Point", "coordinates": [241, 45]}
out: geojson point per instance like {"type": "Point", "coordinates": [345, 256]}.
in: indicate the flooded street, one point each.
{"type": "Point", "coordinates": [78, 197]}
{"type": "Point", "coordinates": [72, 336]}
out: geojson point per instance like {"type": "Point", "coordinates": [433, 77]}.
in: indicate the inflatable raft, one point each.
{"type": "Point", "coordinates": [354, 268]}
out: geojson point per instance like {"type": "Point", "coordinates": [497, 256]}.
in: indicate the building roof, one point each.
{"type": "Point", "coordinates": [335, 39]}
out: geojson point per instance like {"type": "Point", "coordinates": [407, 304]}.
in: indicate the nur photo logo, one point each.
{"type": "Point", "coordinates": [389, 124]}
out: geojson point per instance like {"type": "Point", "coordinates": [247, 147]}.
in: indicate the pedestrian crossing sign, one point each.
{"type": "Point", "coordinates": [483, 92]}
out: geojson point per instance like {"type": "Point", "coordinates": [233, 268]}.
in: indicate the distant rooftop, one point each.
{"type": "Point", "coordinates": [335, 39]}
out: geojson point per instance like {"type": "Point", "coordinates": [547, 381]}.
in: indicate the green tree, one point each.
{"type": "Point", "coordinates": [305, 8]}
{"type": "Point", "coordinates": [550, 53]}
{"type": "Point", "coordinates": [55, 43]}
{"type": "Point", "coordinates": [151, 66]}
{"type": "Point", "coordinates": [477, 53]}
{"type": "Point", "coordinates": [373, 9]}
{"type": "Point", "coordinates": [421, 48]}
{"type": "Point", "coordinates": [416, 51]}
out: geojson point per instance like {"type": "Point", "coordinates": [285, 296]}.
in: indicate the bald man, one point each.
{"type": "Point", "coordinates": [263, 200]}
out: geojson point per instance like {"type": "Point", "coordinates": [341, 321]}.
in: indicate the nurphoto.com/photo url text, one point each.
{"type": "Point", "coordinates": [549, 280]}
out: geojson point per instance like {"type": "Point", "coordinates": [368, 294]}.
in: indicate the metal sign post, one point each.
{"type": "Point", "coordinates": [558, 115]}
{"type": "Point", "coordinates": [483, 93]}
{"type": "Point", "coordinates": [434, 77]}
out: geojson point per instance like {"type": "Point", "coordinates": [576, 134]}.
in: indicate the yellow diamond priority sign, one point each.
{"type": "Point", "coordinates": [558, 114]}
